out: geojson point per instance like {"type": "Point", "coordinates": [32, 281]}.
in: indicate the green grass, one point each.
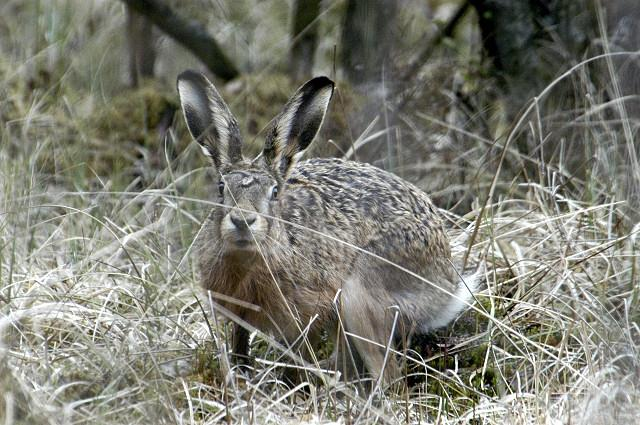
{"type": "Point", "coordinates": [102, 320]}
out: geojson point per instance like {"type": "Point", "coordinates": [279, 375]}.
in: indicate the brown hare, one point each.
{"type": "Point", "coordinates": [311, 244]}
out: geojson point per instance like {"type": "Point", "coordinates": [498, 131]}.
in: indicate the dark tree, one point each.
{"type": "Point", "coordinates": [304, 38]}
{"type": "Point", "coordinates": [517, 36]}
{"type": "Point", "coordinates": [368, 39]}
{"type": "Point", "coordinates": [142, 50]}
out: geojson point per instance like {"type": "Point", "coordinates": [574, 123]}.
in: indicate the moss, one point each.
{"type": "Point", "coordinates": [477, 376]}
{"type": "Point", "coordinates": [543, 333]}
{"type": "Point", "coordinates": [134, 115]}
{"type": "Point", "coordinates": [473, 381]}
{"type": "Point", "coordinates": [126, 134]}
{"type": "Point", "coordinates": [206, 365]}
{"type": "Point", "coordinates": [122, 138]}
{"type": "Point", "coordinates": [255, 99]}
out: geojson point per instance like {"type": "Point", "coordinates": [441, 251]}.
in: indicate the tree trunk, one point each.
{"type": "Point", "coordinates": [142, 52]}
{"type": "Point", "coordinates": [515, 34]}
{"type": "Point", "coordinates": [190, 34]}
{"type": "Point", "coordinates": [305, 38]}
{"type": "Point", "coordinates": [508, 34]}
{"type": "Point", "coordinates": [367, 39]}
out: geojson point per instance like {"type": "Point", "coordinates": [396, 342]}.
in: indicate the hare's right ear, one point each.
{"type": "Point", "coordinates": [209, 120]}
{"type": "Point", "coordinates": [293, 130]}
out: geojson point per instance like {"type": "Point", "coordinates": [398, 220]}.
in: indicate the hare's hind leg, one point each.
{"type": "Point", "coordinates": [370, 319]}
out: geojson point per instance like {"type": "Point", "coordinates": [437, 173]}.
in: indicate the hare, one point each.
{"type": "Point", "coordinates": [313, 244]}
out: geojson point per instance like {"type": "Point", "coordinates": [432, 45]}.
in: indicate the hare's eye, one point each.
{"type": "Point", "coordinates": [221, 187]}
{"type": "Point", "coordinates": [274, 192]}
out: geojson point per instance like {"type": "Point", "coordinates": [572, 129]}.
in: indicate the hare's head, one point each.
{"type": "Point", "coordinates": [250, 190]}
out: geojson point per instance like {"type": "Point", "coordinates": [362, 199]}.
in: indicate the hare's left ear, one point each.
{"type": "Point", "coordinates": [210, 122]}
{"type": "Point", "coordinates": [293, 130]}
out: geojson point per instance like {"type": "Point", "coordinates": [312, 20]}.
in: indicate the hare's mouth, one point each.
{"type": "Point", "coordinates": [241, 243]}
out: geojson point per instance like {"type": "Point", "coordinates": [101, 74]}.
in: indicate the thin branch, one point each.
{"type": "Point", "coordinates": [190, 34]}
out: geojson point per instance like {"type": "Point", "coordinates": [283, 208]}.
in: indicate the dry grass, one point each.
{"type": "Point", "coordinates": [102, 319]}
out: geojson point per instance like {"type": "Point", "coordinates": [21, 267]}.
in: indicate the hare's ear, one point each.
{"type": "Point", "coordinates": [295, 127]}
{"type": "Point", "coordinates": [209, 120]}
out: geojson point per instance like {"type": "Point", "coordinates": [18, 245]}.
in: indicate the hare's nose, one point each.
{"type": "Point", "coordinates": [242, 220]}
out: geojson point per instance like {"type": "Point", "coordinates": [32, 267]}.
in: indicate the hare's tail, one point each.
{"type": "Point", "coordinates": [461, 299]}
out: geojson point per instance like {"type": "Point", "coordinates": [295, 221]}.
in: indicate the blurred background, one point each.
{"type": "Point", "coordinates": [439, 92]}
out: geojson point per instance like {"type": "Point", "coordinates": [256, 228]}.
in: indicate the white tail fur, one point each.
{"type": "Point", "coordinates": [461, 300]}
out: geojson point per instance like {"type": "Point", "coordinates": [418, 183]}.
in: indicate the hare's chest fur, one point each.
{"type": "Point", "coordinates": [272, 294]}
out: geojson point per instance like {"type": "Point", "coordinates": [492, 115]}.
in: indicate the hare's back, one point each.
{"type": "Point", "coordinates": [369, 204]}
{"type": "Point", "coordinates": [357, 187]}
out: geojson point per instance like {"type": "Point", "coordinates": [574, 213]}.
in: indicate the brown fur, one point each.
{"type": "Point", "coordinates": [290, 236]}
